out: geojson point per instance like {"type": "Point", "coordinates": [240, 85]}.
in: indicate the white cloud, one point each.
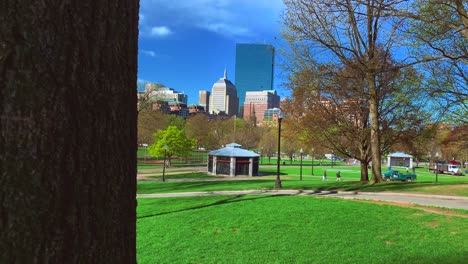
{"type": "Point", "coordinates": [149, 53]}
{"type": "Point", "coordinates": [231, 18]}
{"type": "Point", "coordinates": [160, 31]}
{"type": "Point", "coordinates": [224, 29]}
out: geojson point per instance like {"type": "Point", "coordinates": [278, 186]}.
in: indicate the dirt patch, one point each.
{"type": "Point", "coordinates": [441, 211]}
{"type": "Point", "coordinates": [432, 224]}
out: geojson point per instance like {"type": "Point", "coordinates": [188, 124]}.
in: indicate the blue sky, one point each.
{"type": "Point", "coordinates": [186, 44]}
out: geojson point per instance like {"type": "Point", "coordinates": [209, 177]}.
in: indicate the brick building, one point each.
{"type": "Point", "coordinates": [256, 102]}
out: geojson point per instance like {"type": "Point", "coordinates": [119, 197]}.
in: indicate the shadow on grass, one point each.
{"type": "Point", "coordinates": [159, 187]}
{"type": "Point", "coordinates": [230, 199]}
{"type": "Point", "coordinates": [196, 175]}
{"type": "Point", "coordinates": [270, 173]}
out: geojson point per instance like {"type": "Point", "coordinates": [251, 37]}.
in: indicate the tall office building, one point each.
{"type": "Point", "coordinates": [223, 99]}
{"type": "Point", "coordinates": [254, 68]}
{"type": "Point", "coordinates": [204, 100]}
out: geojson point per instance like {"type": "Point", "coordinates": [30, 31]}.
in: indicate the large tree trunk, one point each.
{"type": "Point", "coordinates": [375, 133]}
{"type": "Point", "coordinates": [364, 171]}
{"type": "Point", "coordinates": [68, 131]}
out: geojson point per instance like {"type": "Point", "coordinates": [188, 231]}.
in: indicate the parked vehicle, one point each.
{"type": "Point", "coordinates": [452, 167]}
{"type": "Point", "coordinates": [394, 175]}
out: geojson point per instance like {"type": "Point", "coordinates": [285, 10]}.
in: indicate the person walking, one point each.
{"type": "Point", "coordinates": [324, 178]}
{"type": "Point", "coordinates": [338, 176]}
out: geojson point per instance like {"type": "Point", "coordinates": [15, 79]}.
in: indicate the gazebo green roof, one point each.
{"type": "Point", "coordinates": [234, 150]}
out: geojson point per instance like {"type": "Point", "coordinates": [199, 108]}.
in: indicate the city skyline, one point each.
{"type": "Point", "coordinates": [185, 45]}
{"type": "Point", "coordinates": [254, 69]}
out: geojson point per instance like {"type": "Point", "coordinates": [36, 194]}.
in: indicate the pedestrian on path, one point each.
{"type": "Point", "coordinates": [338, 176]}
{"type": "Point", "coordinates": [324, 178]}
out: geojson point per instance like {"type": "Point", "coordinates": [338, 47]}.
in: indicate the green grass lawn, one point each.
{"type": "Point", "coordinates": [294, 229]}
{"type": "Point", "coordinates": [148, 166]}
{"type": "Point", "coordinates": [447, 184]}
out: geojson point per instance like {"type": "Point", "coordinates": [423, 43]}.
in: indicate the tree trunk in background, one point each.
{"type": "Point", "coordinates": [364, 172]}
{"type": "Point", "coordinates": [68, 131]}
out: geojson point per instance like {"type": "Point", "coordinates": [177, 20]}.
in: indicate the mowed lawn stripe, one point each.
{"type": "Point", "coordinates": [293, 229]}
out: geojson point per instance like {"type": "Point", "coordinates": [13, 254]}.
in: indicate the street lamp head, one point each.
{"type": "Point", "coordinates": [280, 114]}
{"type": "Point", "coordinates": [302, 151]}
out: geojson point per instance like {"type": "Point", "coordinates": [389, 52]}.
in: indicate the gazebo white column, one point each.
{"type": "Point", "coordinates": [250, 167]}
{"type": "Point", "coordinates": [214, 164]}
{"type": "Point", "coordinates": [388, 161]}
{"type": "Point", "coordinates": [411, 162]}
{"type": "Point", "coordinates": [232, 169]}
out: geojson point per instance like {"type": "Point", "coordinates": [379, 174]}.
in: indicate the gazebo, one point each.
{"type": "Point", "coordinates": [400, 159]}
{"type": "Point", "coordinates": [232, 160]}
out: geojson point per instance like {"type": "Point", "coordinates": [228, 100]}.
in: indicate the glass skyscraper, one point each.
{"type": "Point", "coordinates": [254, 69]}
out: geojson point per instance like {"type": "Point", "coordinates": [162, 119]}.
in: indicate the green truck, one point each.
{"type": "Point", "coordinates": [394, 175]}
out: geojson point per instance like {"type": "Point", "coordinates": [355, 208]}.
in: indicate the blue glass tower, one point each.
{"type": "Point", "coordinates": [254, 69]}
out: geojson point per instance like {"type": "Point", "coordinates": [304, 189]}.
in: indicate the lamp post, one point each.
{"type": "Point", "coordinates": [261, 156]}
{"type": "Point", "coordinates": [164, 165]}
{"type": "Point", "coordinates": [278, 180]}
{"type": "Point", "coordinates": [333, 157]}
{"type": "Point", "coordinates": [312, 161]}
{"type": "Point", "coordinates": [301, 162]}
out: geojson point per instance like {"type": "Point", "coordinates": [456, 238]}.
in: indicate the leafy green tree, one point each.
{"type": "Point", "coordinates": [175, 120]}
{"type": "Point", "coordinates": [247, 134]}
{"type": "Point", "coordinates": [171, 142]}
{"type": "Point", "coordinates": [197, 127]}
{"type": "Point", "coordinates": [351, 42]}
{"type": "Point", "coordinates": [222, 129]}
{"type": "Point", "coordinates": [268, 143]}
{"type": "Point", "coordinates": [289, 148]}
{"type": "Point", "coordinates": [148, 122]}
{"type": "Point", "coordinates": [439, 32]}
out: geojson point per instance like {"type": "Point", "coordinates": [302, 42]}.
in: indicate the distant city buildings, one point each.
{"type": "Point", "coordinates": [162, 93]}
{"type": "Point", "coordinates": [272, 115]}
{"type": "Point", "coordinates": [254, 69]}
{"type": "Point", "coordinates": [223, 98]}
{"type": "Point", "coordinates": [204, 100]}
{"type": "Point", "coordinates": [164, 99]}
{"type": "Point", "coordinates": [250, 98]}
{"type": "Point", "coordinates": [196, 109]}
{"type": "Point", "coordinates": [256, 102]}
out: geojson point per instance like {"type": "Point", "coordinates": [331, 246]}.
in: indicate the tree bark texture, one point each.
{"type": "Point", "coordinates": [375, 134]}
{"type": "Point", "coordinates": [68, 131]}
{"type": "Point", "coordinates": [364, 172]}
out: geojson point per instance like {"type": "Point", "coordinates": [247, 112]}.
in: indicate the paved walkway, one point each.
{"type": "Point", "coordinates": [453, 202]}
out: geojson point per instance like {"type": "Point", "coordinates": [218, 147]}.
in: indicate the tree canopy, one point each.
{"type": "Point", "coordinates": [169, 142]}
{"type": "Point", "coordinates": [326, 37]}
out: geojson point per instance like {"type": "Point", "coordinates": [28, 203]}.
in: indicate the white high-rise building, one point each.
{"type": "Point", "coordinates": [223, 98]}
